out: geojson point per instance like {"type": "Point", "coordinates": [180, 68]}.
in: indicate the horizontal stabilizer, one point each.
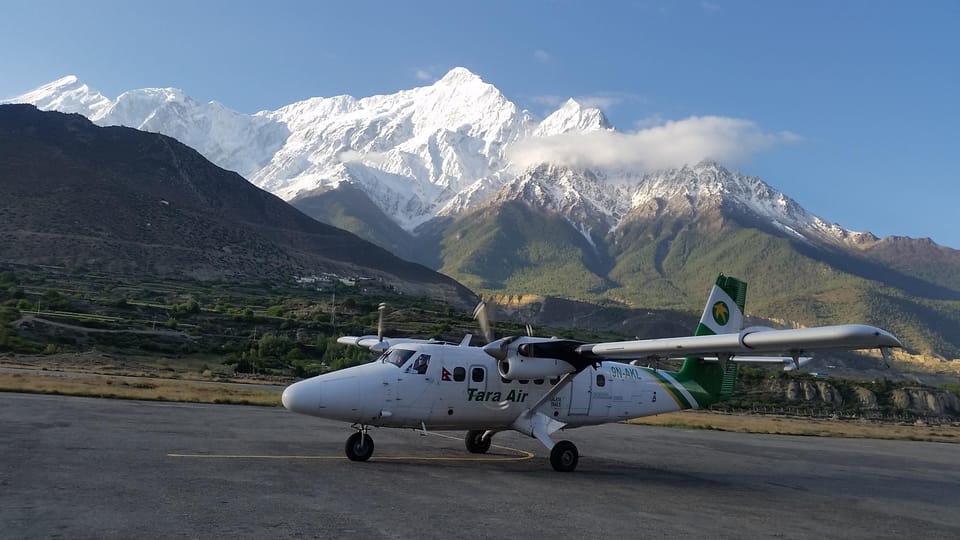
{"type": "Point", "coordinates": [769, 360]}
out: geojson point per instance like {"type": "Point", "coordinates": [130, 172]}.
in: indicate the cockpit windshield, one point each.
{"type": "Point", "coordinates": [397, 357]}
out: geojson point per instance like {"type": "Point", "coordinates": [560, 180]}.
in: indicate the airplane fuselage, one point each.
{"type": "Point", "coordinates": [461, 389]}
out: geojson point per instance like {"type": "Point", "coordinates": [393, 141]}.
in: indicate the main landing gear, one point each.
{"type": "Point", "coordinates": [359, 445]}
{"type": "Point", "coordinates": [564, 456]}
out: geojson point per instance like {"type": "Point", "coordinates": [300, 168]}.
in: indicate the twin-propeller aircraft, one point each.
{"type": "Point", "coordinates": [538, 386]}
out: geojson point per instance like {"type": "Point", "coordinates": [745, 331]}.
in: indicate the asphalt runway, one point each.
{"type": "Point", "coordinates": [98, 468]}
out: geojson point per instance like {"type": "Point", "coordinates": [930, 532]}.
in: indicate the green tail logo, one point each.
{"type": "Point", "coordinates": [721, 313]}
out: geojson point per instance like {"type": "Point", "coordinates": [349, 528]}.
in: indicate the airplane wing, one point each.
{"type": "Point", "coordinates": [378, 344]}
{"type": "Point", "coordinates": [750, 341]}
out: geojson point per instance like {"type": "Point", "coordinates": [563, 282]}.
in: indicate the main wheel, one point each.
{"type": "Point", "coordinates": [359, 447]}
{"type": "Point", "coordinates": [564, 456]}
{"type": "Point", "coordinates": [475, 442]}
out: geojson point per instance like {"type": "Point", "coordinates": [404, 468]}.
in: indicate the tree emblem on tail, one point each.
{"type": "Point", "coordinates": [721, 313]}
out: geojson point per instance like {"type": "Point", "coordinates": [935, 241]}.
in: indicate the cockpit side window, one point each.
{"type": "Point", "coordinates": [420, 364]}
{"type": "Point", "coordinates": [397, 357]}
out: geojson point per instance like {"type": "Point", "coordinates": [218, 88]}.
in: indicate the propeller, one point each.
{"type": "Point", "coordinates": [481, 316]}
{"type": "Point", "coordinates": [381, 308]}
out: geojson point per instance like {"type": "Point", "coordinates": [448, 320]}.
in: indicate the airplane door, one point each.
{"type": "Point", "coordinates": [581, 389]}
{"type": "Point", "coordinates": [411, 392]}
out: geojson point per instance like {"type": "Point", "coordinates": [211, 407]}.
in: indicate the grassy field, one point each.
{"type": "Point", "coordinates": [120, 387]}
{"type": "Point", "coordinates": [812, 427]}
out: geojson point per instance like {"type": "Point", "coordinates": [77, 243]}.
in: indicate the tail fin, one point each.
{"type": "Point", "coordinates": [723, 314]}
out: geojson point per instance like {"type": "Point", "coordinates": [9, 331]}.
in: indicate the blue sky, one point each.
{"type": "Point", "coordinates": [860, 97]}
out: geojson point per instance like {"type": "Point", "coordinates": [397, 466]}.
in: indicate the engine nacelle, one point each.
{"type": "Point", "coordinates": [518, 367]}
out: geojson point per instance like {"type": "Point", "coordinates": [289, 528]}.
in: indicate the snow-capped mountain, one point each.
{"type": "Point", "coordinates": [572, 117]}
{"type": "Point", "coordinates": [428, 152]}
{"type": "Point", "coordinates": [598, 201]}
{"type": "Point", "coordinates": [234, 141]}
{"type": "Point", "coordinates": [690, 189]}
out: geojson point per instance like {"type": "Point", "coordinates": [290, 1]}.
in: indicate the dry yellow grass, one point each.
{"type": "Point", "coordinates": [81, 384]}
{"type": "Point", "coordinates": [783, 425]}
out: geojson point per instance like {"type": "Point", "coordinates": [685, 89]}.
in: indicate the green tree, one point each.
{"type": "Point", "coordinates": [273, 347]}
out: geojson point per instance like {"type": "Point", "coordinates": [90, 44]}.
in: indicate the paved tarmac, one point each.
{"type": "Point", "coordinates": [97, 468]}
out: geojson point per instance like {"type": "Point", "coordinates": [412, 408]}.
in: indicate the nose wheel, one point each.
{"type": "Point", "coordinates": [359, 446]}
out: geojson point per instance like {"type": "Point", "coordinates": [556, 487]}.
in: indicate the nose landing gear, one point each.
{"type": "Point", "coordinates": [359, 446]}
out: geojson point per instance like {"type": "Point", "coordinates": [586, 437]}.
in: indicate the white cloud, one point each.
{"type": "Point", "coordinates": [709, 6]}
{"type": "Point", "coordinates": [423, 75]}
{"type": "Point", "coordinates": [375, 159]}
{"type": "Point", "coordinates": [672, 144]}
{"type": "Point", "coordinates": [601, 100]}
{"type": "Point", "coordinates": [649, 122]}
{"type": "Point", "coordinates": [350, 156]}
{"type": "Point", "coordinates": [542, 56]}
{"type": "Point", "coordinates": [597, 102]}
{"type": "Point", "coordinates": [549, 101]}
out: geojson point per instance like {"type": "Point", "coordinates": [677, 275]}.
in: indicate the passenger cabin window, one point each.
{"type": "Point", "coordinates": [505, 380]}
{"type": "Point", "coordinates": [397, 357]}
{"type": "Point", "coordinates": [601, 380]}
{"type": "Point", "coordinates": [554, 381]}
{"type": "Point", "coordinates": [476, 375]}
{"type": "Point", "coordinates": [538, 381]}
{"type": "Point", "coordinates": [459, 374]}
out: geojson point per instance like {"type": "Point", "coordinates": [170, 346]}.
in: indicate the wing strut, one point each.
{"type": "Point", "coordinates": [538, 425]}
{"type": "Point", "coordinates": [795, 354]}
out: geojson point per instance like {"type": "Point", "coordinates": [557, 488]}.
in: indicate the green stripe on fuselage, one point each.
{"type": "Point", "coordinates": [674, 392]}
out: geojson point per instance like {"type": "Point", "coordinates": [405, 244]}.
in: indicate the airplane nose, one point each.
{"type": "Point", "coordinates": [299, 398]}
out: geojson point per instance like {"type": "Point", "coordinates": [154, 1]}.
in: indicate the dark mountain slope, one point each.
{"type": "Point", "coordinates": [74, 193]}
{"type": "Point", "coordinates": [349, 208]}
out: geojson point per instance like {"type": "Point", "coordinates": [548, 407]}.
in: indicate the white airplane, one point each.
{"type": "Point", "coordinates": [537, 386]}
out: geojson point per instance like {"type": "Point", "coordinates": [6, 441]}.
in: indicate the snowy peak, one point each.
{"type": "Point", "coordinates": [67, 94]}
{"type": "Point", "coordinates": [462, 102]}
{"type": "Point", "coordinates": [572, 117]}
{"type": "Point", "coordinates": [232, 140]}
{"type": "Point", "coordinates": [695, 189]}
{"type": "Point", "coordinates": [460, 76]}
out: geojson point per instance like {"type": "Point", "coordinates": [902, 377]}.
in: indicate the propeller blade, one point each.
{"type": "Point", "coordinates": [381, 308]}
{"type": "Point", "coordinates": [480, 314]}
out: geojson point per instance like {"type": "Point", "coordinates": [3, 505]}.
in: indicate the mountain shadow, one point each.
{"type": "Point", "coordinates": [131, 201]}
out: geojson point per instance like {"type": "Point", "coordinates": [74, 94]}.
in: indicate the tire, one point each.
{"type": "Point", "coordinates": [564, 456]}
{"type": "Point", "coordinates": [475, 443]}
{"type": "Point", "coordinates": [359, 447]}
